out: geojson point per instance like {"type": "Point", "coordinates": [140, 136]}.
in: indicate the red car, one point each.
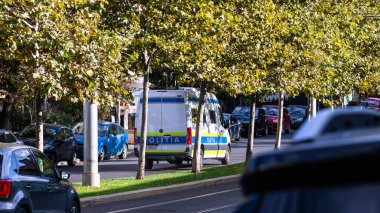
{"type": "Point", "coordinates": [272, 117]}
{"type": "Point", "coordinates": [372, 103]}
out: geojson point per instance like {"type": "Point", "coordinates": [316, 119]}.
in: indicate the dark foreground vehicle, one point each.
{"type": "Point", "coordinates": [59, 142]}
{"type": "Point", "coordinates": [339, 175]}
{"type": "Point", "coordinates": [29, 182]}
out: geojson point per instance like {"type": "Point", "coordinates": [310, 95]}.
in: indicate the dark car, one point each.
{"type": "Point", "coordinates": [112, 140]}
{"type": "Point", "coordinates": [297, 116]}
{"type": "Point", "coordinates": [261, 121]}
{"type": "Point", "coordinates": [338, 175]}
{"type": "Point", "coordinates": [29, 182]}
{"type": "Point", "coordinates": [272, 117]}
{"type": "Point", "coordinates": [233, 126]}
{"type": "Point", "coordinates": [7, 137]}
{"type": "Point", "coordinates": [59, 142]}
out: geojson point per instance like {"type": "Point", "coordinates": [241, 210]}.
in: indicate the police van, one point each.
{"type": "Point", "coordinates": [171, 126]}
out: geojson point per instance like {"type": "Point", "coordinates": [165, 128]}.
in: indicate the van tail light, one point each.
{"type": "Point", "coordinates": [189, 139]}
{"type": "Point", "coordinates": [5, 188]}
{"type": "Point", "coordinates": [135, 136]}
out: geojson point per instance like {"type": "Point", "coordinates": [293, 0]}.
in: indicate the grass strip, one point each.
{"type": "Point", "coordinates": [111, 186]}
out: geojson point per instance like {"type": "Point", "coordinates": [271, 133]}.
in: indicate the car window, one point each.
{"type": "Point", "coordinates": [45, 167]}
{"type": "Point", "coordinates": [102, 129]}
{"type": "Point", "coordinates": [61, 136]}
{"type": "Point", "coordinates": [120, 130]}
{"type": "Point", "coordinates": [3, 139]}
{"type": "Point", "coordinates": [30, 132]}
{"type": "Point", "coordinates": [212, 116]}
{"type": "Point", "coordinates": [112, 130]}
{"type": "Point", "coordinates": [10, 138]}
{"type": "Point", "coordinates": [68, 134]}
{"type": "Point", "coordinates": [23, 164]}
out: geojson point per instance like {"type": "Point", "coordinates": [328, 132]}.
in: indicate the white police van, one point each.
{"type": "Point", "coordinates": [171, 127]}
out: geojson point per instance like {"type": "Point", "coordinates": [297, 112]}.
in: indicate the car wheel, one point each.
{"type": "Point", "coordinates": [73, 160]}
{"type": "Point", "coordinates": [178, 162]}
{"type": "Point", "coordinates": [148, 164]}
{"type": "Point", "coordinates": [21, 209]}
{"type": "Point", "coordinates": [102, 154]}
{"type": "Point", "coordinates": [74, 208]}
{"type": "Point", "coordinates": [226, 159]}
{"type": "Point", "coordinates": [124, 152]}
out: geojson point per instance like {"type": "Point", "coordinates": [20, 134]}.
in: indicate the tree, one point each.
{"type": "Point", "coordinates": [61, 50]}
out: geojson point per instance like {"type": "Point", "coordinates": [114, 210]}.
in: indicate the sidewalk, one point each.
{"type": "Point", "coordinates": [157, 190]}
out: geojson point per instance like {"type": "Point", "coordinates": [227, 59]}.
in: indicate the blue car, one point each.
{"type": "Point", "coordinates": [112, 140]}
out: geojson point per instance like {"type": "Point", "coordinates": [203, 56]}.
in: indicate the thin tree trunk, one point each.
{"type": "Point", "coordinates": [251, 130]}
{"type": "Point", "coordinates": [39, 125]}
{"type": "Point", "coordinates": [141, 163]}
{"type": "Point", "coordinates": [196, 167]}
{"type": "Point", "coordinates": [309, 108]}
{"type": "Point", "coordinates": [280, 119]}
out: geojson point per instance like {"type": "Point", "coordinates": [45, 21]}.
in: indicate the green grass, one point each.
{"type": "Point", "coordinates": [111, 186]}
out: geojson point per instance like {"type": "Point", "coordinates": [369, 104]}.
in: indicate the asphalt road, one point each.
{"type": "Point", "coordinates": [218, 198]}
{"type": "Point", "coordinates": [115, 168]}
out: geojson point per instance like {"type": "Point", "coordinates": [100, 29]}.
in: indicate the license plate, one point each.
{"type": "Point", "coordinates": [151, 147]}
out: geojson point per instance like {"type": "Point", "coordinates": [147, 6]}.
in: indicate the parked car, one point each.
{"type": "Point", "coordinates": [336, 175]}
{"type": "Point", "coordinates": [272, 116]}
{"type": "Point", "coordinates": [297, 116]}
{"type": "Point", "coordinates": [29, 182]}
{"type": "Point", "coordinates": [7, 137]}
{"type": "Point", "coordinates": [59, 142]}
{"type": "Point", "coordinates": [372, 103]}
{"type": "Point", "coordinates": [233, 126]}
{"type": "Point", "coordinates": [261, 121]}
{"type": "Point", "coordinates": [112, 140]}
{"type": "Point", "coordinates": [340, 123]}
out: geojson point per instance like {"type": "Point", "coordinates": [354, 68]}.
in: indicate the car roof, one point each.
{"type": "Point", "coordinates": [52, 126]}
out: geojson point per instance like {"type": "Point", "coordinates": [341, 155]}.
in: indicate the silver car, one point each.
{"type": "Point", "coordinates": [29, 182]}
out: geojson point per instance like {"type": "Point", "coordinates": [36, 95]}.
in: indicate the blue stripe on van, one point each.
{"type": "Point", "coordinates": [181, 139]}
{"type": "Point", "coordinates": [164, 100]}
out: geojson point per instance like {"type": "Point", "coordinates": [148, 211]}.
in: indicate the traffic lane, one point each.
{"type": "Point", "coordinates": [116, 168]}
{"type": "Point", "coordinates": [217, 198]}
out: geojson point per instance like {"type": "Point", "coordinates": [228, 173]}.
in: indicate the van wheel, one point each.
{"type": "Point", "coordinates": [102, 154]}
{"type": "Point", "coordinates": [148, 164]}
{"type": "Point", "coordinates": [124, 152]}
{"type": "Point", "coordinates": [73, 160]}
{"type": "Point", "coordinates": [226, 159]}
{"type": "Point", "coordinates": [178, 162]}
{"type": "Point", "coordinates": [21, 209]}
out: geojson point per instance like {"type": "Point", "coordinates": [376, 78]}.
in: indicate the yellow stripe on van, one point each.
{"type": "Point", "coordinates": [152, 134]}
{"type": "Point", "coordinates": [164, 151]}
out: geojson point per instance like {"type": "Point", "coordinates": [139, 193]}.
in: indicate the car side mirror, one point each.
{"type": "Point", "coordinates": [64, 175]}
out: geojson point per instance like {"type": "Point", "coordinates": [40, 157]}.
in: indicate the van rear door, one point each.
{"type": "Point", "coordinates": [173, 121]}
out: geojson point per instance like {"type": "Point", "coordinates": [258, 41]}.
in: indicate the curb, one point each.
{"type": "Point", "coordinates": [156, 191]}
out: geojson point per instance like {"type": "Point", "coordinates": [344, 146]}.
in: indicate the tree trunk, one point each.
{"type": "Point", "coordinates": [251, 130]}
{"type": "Point", "coordinates": [313, 106]}
{"type": "Point", "coordinates": [39, 125]}
{"type": "Point", "coordinates": [141, 164]}
{"type": "Point", "coordinates": [196, 167]}
{"type": "Point", "coordinates": [280, 119]}
{"type": "Point", "coordinates": [309, 108]}
{"type": "Point", "coordinates": [5, 114]}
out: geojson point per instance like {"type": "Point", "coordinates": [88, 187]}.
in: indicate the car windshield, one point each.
{"type": "Point", "coordinates": [272, 111]}
{"type": "Point", "coordinates": [79, 130]}
{"type": "Point", "coordinates": [30, 132]}
{"type": "Point", "coordinates": [297, 112]}
{"type": "Point", "coordinates": [241, 110]}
